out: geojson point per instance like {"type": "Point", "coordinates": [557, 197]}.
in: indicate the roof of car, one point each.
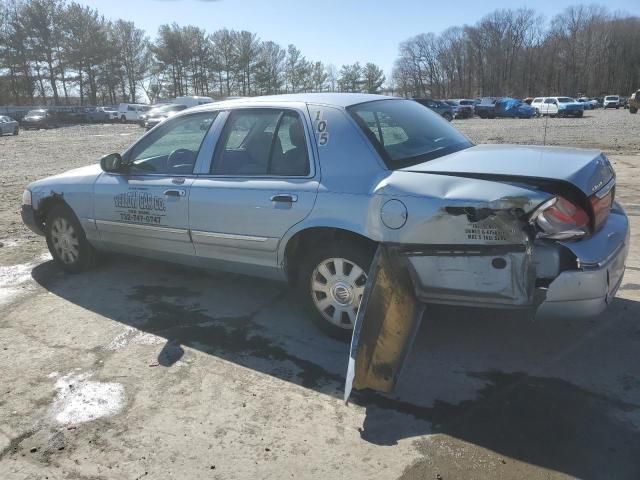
{"type": "Point", "coordinates": [335, 99]}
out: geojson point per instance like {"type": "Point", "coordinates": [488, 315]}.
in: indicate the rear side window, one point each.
{"type": "Point", "coordinates": [405, 133]}
{"type": "Point", "coordinates": [262, 142]}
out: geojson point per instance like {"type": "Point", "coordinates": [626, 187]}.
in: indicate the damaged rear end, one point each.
{"type": "Point", "coordinates": [529, 228]}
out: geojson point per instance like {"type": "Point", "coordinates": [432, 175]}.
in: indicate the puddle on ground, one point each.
{"type": "Point", "coordinates": [80, 399]}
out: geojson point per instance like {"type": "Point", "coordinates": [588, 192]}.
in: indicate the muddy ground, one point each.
{"type": "Point", "coordinates": [143, 370]}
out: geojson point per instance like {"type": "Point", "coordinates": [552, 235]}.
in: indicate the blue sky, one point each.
{"type": "Point", "coordinates": [333, 31]}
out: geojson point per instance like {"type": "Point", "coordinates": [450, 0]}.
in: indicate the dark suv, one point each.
{"type": "Point", "coordinates": [438, 106]}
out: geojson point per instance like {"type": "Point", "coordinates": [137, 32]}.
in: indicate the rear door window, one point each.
{"type": "Point", "coordinates": [262, 142]}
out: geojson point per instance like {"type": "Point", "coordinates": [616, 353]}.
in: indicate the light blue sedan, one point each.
{"type": "Point", "coordinates": [8, 126]}
{"type": "Point", "coordinates": [305, 187]}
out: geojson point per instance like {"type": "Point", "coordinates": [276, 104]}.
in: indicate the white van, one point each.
{"type": "Point", "coordinates": [192, 101]}
{"type": "Point", "coordinates": [129, 112]}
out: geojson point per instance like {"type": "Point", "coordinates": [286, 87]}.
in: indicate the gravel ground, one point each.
{"type": "Point", "coordinates": [612, 131]}
{"type": "Point", "coordinates": [143, 370]}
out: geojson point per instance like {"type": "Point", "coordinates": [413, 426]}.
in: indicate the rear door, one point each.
{"type": "Point", "coordinates": [147, 207]}
{"type": "Point", "coordinates": [261, 181]}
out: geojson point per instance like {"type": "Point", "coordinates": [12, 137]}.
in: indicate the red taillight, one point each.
{"type": "Point", "coordinates": [601, 205]}
{"type": "Point", "coordinates": [560, 219]}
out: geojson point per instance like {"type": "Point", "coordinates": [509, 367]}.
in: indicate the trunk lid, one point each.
{"type": "Point", "coordinates": [587, 170]}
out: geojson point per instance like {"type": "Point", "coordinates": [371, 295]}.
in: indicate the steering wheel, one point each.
{"type": "Point", "coordinates": [180, 157]}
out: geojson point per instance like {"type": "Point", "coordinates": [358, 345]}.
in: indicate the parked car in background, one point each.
{"type": "Point", "coordinates": [193, 100]}
{"type": "Point", "coordinates": [40, 118]}
{"type": "Point", "coordinates": [624, 102]}
{"type": "Point", "coordinates": [486, 107]}
{"type": "Point", "coordinates": [611, 101]}
{"type": "Point", "coordinates": [536, 103]}
{"type": "Point", "coordinates": [129, 112]}
{"type": "Point", "coordinates": [442, 108]}
{"type": "Point", "coordinates": [256, 187]}
{"type": "Point", "coordinates": [634, 102]}
{"type": "Point", "coordinates": [588, 103]}
{"type": "Point", "coordinates": [101, 114]}
{"type": "Point", "coordinates": [157, 115]}
{"type": "Point", "coordinates": [8, 126]}
{"type": "Point", "coordinates": [507, 107]}
{"type": "Point", "coordinates": [461, 108]}
{"type": "Point", "coordinates": [561, 107]}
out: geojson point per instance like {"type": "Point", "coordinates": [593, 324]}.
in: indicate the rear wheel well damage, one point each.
{"type": "Point", "coordinates": [310, 239]}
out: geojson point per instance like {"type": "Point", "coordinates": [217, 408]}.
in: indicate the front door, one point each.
{"type": "Point", "coordinates": [147, 206]}
{"type": "Point", "coordinates": [261, 182]}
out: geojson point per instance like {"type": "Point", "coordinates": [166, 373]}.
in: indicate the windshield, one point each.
{"type": "Point", "coordinates": [466, 102]}
{"type": "Point", "coordinates": [611, 98]}
{"type": "Point", "coordinates": [565, 100]}
{"type": "Point", "coordinates": [453, 103]}
{"type": "Point", "coordinates": [36, 113]}
{"type": "Point", "coordinates": [406, 133]}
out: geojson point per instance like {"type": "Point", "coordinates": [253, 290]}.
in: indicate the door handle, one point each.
{"type": "Point", "coordinates": [284, 198]}
{"type": "Point", "coordinates": [173, 192]}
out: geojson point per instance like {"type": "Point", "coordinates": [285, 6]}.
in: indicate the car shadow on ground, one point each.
{"type": "Point", "coordinates": [562, 395]}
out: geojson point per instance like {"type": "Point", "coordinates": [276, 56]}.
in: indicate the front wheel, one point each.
{"type": "Point", "coordinates": [67, 242]}
{"type": "Point", "coordinates": [332, 280]}
{"type": "Point", "coordinates": [16, 131]}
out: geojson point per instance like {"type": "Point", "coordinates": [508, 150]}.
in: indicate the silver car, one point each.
{"type": "Point", "coordinates": [8, 126]}
{"type": "Point", "coordinates": [305, 187]}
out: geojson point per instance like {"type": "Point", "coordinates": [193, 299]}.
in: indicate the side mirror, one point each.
{"type": "Point", "coordinates": [112, 163]}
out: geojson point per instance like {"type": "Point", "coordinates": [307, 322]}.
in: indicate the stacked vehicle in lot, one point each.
{"type": "Point", "coordinates": [259, 186]}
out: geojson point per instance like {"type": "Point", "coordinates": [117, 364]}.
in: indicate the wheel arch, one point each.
{"type": "Point", "coordinates": [46, 204]}
{"type": "Point", "coordinates": [312, 236]}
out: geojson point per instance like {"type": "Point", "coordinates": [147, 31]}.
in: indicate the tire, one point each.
{"type": "Point", "coordinates": [16, 131]}
{"type": "Point", "coordinates": [320, 279]}
{"type": "Point", "coordinates": [123, 119]}
{"type": "Point", "coordinates": [579, 114]}
{"type": "Point", "coordinates": [633, 110]}
{"type": "Point", "coordinates": [67, 242]}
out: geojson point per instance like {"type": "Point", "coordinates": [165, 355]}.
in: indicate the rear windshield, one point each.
{"type": "Point", "coordinates": [406, 133]}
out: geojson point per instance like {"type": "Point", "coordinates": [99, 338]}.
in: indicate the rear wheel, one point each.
{"type": "Point", "coordinates": [123, 119]}
{"type": "Point", "coordinates": [633, 110]}
{"type": "Point", "coordinates": [332, 280]}
{"type": "Point", "coordinates": [16, 131]}
{"type": "Point", "coordinates": [67, 242]}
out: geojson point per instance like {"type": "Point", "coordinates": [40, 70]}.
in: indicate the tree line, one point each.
{"type": "Point", "coordinates": [584, 49]}
{"type": "Point", "coordinates": [54, 51]}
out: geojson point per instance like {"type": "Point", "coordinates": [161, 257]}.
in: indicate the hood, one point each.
{"type": "Point", "coordinates": [588, 170]}
{"type": "Point", "coordinates": [82, 175]}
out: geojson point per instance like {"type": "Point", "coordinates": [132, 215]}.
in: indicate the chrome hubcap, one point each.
{"type": "Point", "coordinates": [337, 285]}
{"type": "Point", "coordinates": [65, 241]}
